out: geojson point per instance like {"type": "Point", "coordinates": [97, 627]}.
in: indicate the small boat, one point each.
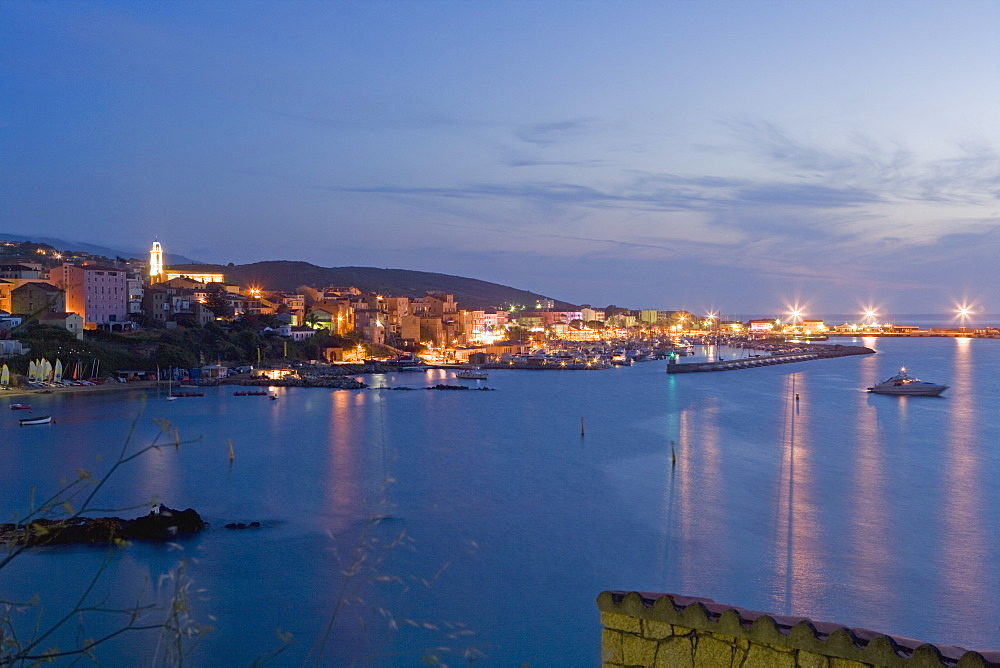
{"type": "Point", "coordinates": [904, 384]}
{"type": "Point", "coordinates": [187, 394]}
{"type": "Point", "coordinates": [472, 374]}
{"type": "Point", "coordinates": [42, 419]}
{"type": "Point", "coordinates": [20, 407]}
{"type": "Point", "coordinates": [249, 394]}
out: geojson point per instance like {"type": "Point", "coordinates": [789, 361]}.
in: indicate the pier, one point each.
{"type": "Point", "coordinates": [813, 352]}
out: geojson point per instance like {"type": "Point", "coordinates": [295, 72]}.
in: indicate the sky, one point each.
{"type": "Point", "coordinates": [729, 156]}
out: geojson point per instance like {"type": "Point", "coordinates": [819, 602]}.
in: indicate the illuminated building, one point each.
{"type": "Point", "coordinates": [99, 294]}
{"type": "Point", "coordinates": [194, 274]}
{"type": "Point", "coordinates": [156, 262]}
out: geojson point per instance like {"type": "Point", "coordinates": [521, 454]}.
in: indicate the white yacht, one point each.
{"type": "Point", "coordinates": [902, 383]}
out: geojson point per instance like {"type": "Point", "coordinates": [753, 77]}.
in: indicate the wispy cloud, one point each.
{"type": "Point", "coordinates": [552, 133]}
{"type": "Point", "coordinates": [804, 195]}
{"type": "Point", "coordinates": [813, 214]}
{"type": "Point", "coordinates": [888, 172]}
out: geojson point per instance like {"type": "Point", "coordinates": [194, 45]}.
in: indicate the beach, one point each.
{"type": "Point", "coordinates": [110, 386]}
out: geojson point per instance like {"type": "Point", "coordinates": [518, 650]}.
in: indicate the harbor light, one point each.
{"type": "Point", "coordinates": [963, 313]}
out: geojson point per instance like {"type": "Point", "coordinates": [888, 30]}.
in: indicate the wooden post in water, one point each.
{"type": "Point", "coordinates": [673, 455]}
{"type": "Point", "coordinates": [582, 430]}
{"type": "Point", "coordinates": [232, 455]}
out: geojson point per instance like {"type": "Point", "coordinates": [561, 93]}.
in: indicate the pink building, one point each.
{"type": "Point", "coordinates": [97, 294]}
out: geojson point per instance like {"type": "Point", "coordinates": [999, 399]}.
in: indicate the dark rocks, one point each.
{"type": "Point", "coordinates": [241, 525]}
{"type": "Point", "coordinates": [164, 524]}
{"type": "Point", "coordinates": [160, 525]}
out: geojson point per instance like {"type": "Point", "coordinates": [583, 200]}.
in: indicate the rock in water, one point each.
{"type": "Point", "coordinates": [161, 524]}
{"type": "Point", "coordinates": [167, 524]}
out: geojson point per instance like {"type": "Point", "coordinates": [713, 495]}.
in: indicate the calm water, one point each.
{"type": "Point", "coordinates": [865, 510]}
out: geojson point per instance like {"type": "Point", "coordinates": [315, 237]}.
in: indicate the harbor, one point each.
{"type": "Point", "coordinates": [535, 518]}
{"type": "Point", "coordinates": [799, 354]}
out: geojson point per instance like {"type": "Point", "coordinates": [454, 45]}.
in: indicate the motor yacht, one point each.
{"type": "Point", "coordinates": [903, 383]}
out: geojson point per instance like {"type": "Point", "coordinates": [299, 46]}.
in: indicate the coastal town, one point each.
{"type": "Point", "coordinates": [128, 301]}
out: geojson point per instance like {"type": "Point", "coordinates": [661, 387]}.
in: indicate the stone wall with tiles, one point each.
{"type": "Point", "coordinates": [665, 630]}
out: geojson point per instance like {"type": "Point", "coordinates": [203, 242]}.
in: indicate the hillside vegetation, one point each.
{"type": "Point", "coordinates": [287, 275]}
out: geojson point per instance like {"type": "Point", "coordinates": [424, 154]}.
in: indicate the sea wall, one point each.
{"type": "Point", "coordinates": [667, 630]}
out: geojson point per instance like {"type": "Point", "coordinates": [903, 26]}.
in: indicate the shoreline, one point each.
{"type": "Point", "coordinates": [74, 389]}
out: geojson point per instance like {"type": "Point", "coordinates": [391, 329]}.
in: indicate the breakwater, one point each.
{"type": "Point", "coordinates": [812, 352]}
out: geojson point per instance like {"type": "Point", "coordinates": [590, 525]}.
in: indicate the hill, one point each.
{"type": "Point", "coordinates": [92, 249]}
{"type": "Point", "coordinates": [286, 276]}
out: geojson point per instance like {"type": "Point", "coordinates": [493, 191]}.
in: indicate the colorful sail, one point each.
{"type": "Point", "coordinates": [32, 371]}
{"type": "Point", "coordinates": [4, 376]}
{"type": "Point", "coordinates": [57, 373]}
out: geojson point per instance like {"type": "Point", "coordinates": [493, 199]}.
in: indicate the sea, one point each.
{"type": "Point", "coordinates": [401, 525]}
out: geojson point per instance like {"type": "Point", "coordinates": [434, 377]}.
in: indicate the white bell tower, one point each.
{"type": "Point", "coordinates": [156, 262]}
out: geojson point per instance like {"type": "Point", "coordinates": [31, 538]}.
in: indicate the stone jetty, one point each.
{"type": "Point", "coordinates": [811, 352]}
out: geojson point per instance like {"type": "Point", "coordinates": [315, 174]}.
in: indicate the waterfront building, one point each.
{"type": "Point", "coordinates": [549, 318]}
{"type": "Point", "coordinates": [369, 324]}
{"type": "Point", "coordinates": [335, 316]}
{"type": "Point", "coordinates": [649, 316]}
{"type": "Point", "coordinates": [435, 305]}
{"type": "Point", "coordinates": [761, 327]}
{"type": "Point", "coordinates": [814, 327]}
{"type": "Point", "coordinates": [96, 292]}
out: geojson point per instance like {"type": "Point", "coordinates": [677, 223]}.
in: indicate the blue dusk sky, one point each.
{"type": "Point", "coordinates": [735, 156]}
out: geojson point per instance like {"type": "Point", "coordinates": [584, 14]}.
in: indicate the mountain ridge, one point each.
{"type": "Point", "coordinates": [93, 249]}
{"type": "Point", "coordinates": [287, 275]}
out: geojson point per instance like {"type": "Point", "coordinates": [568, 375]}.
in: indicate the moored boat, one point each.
{"type": "Point", "coordinates": [472, 374]}
{"type": "Point", "coordinates": [20, 407]}
{"type": "Point", "coordinates": [904, 384]}
{"type": "Point", "coordinates": [41, 419]}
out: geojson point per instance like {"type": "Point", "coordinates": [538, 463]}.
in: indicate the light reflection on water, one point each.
{"type": "Point", "coordinates": [861, 509]}
{"type": "Point", "coordinates": [871, 558]}
{"type": "Point", "coordinates": [962, 536]}
{"type": "Point", "coordinates": [796, 562]}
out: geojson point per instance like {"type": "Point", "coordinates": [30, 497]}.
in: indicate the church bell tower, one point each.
{"type": "Point", "coordinates": [156, 262]}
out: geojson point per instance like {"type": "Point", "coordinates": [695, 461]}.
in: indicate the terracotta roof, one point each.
{"type": "Point", "coordinates": [706, 613]}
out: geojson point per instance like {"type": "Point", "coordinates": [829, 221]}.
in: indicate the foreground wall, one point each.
{"type": "Point", "coordinates": [669, 630]}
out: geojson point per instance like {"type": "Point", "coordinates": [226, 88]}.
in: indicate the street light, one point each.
{"type": "Point", "coordinates": [964, 312]}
